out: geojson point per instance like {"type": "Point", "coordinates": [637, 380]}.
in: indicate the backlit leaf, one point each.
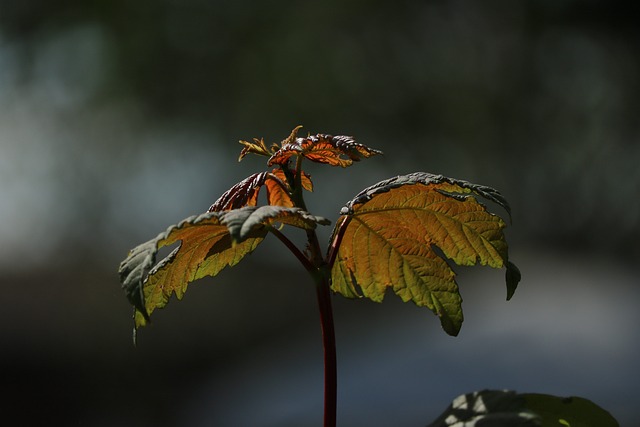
{"type": "Point", "coordinates": [278, 192]}
{"type": "Point", "coordinates": [208, 243]}
{"type": "Point", "coordinates": [306, 178]}
{"type": "Point", "coordinates": [256, 147]}
{"type": "Point", "coordinates": [322, 148]}
{"type": "Point", "coordinates": [246, 192]}
{"type": "Point", "coordinates": [398, 234]}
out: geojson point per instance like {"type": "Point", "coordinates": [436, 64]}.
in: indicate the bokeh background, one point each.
{"type": "Point", "coordinates": [119, 118]}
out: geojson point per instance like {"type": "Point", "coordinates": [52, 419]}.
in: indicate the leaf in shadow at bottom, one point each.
{"type": "Point", "coordinates": [487, 408]}
{"type": "Point", "coordinates": [504, 408]}
{"type": "Point", "coordinates": [568, 411]}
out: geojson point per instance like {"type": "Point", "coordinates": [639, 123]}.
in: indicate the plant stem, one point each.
{"type": "Point", "coordinates": [323, 292]}
{"type": "Point", "coordinates": [321, 275]}
{"type": "Point", "coordinates": [329, 346]}
{"type": "Point", "coordinates": [311, 269]}
{"type": "Point", "coordinates": [319, 270]}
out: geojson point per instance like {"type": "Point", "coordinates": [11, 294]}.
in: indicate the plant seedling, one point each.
{"type": "Point", "coordinates": [398, 234]}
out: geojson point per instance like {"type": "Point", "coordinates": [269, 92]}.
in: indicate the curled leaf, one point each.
{"type": "Point", "coordinates": [208, 243]}
{"type": "Point", "coordinates": [242, 222]}
{"type": "Point", "coordinates": [246, 192]}
{"type": "Point", "coordinates": [455, 188]}
{"type": "Point", "coordinates": [322, 148]}
{"type": "Point", "coordinates": [398, 234]}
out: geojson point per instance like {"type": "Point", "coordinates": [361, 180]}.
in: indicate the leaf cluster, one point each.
{"type": "Point", "coordinates": [400, 234]}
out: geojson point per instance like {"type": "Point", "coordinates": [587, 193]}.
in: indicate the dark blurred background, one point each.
{"type": "Point", "coordinates": [119, 118]}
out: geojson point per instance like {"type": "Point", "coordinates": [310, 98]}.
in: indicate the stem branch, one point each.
{"type": "Point", "coordinates": [295, 251]}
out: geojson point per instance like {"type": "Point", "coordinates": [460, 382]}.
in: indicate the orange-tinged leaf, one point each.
{"type": "Point", "coordinates": [278, 191]}
{"type": "Point", "coordinates": [277, 195]}
{"type": "Point", "coordinates": [397, 234]}
{"type": "Point", "coordinates": [322, 148]}
{"type": "Point", "coordinates": [307, 184]}
{"type": "Point", "coordinates": [208, 243]}
{"type": "Point", "coordinates": [246, 192]}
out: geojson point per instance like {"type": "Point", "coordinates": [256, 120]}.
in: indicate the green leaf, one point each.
{"type": "Point", "coordinates": [504, 408]}
{"type": "Point", "coordinates": [568, 411]}
{"type": "Point", "coordinates": [398, 234]}
{"type": "Point", "coordinates": [208, 243]}
{"type": "Point", "coordinates": [490, 408]}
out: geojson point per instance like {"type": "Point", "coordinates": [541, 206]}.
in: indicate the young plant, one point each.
{"type": "Point", "coordinates": [399, 234]}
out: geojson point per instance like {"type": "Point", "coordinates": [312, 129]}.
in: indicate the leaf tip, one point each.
{"type": "Point", "coordinates": [513, 277]}
{"type": "Point", "coordinates": [449, 326]}
{"type": "Point", "coordinates": [292, 136]}
{"type": "Point", "coordinates": [140, 318]}
{"type": "Point", "coordinates": [451, 322]}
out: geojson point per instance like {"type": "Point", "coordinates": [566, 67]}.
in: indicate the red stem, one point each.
{"type": "Point", "coordinates": [336, 240]}
{"type": "Point", "coordinates": [329, 345]}
{"type": "Point", "coordinates": [322, 280]}
{"type": "Point", "coordinates": [320, 271]}
{"type": "Point", "coordinates": [294, 250]}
